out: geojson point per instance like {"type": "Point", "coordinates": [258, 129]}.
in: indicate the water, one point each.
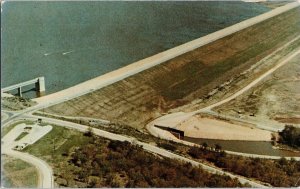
{"type": "Point", "coordinates": [71, 42]}
{"type": "Point", "coordinates": [251, 147]}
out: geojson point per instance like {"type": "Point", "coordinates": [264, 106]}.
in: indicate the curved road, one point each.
{"type": "Point", "coordinates": [148, 147]}
{"type": "Point", "coordinates": [181, 116]}
{"type": "Point", "coordinates": [45, 174]}
{"type": "Point", "coordinates": [46, 178]}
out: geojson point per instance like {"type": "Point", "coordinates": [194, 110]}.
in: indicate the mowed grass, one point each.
{"type": "Point", "coordinates": [23, 134]}
{"type": "Point", "coordinates": [140, 98]}
{"type": "Point", "coordinates": [57, 142]}
{"type": "Point", "coordinates": [17, 173]}
{"type": "Point", "coordinates": [55, 148]}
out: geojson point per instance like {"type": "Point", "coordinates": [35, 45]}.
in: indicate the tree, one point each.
{"type": "Point", "coordinates": [89, 132]}
{"type": "Point", "coordinates": [205, 145]}
{"type": "Point", "coordinates": [195, 152]}
{"type": "Point", "coordinates": [290, 135]}
{"type": "Point", "coordinates": [218, 147]}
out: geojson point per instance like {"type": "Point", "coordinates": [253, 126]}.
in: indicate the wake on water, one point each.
{"type": "Point", "coordinates": [63, 53]}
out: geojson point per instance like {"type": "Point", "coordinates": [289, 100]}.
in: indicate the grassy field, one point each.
{"type": "Point", "coordinates": [57, 142]}
{"type": "Point", "coordinates": [82, 160]}
{"type": "Point", "coordinates": [140, 98]}
{"type": "Point", "coordinates": [23, 134]}
{"type": "Point", "coordinates": [17, 173]}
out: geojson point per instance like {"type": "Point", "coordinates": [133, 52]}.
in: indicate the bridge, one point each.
{"type": "Point", "coordinates": [39, 86]}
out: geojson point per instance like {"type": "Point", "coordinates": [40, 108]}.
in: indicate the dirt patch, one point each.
{"type": "Point", "coordinates": [140, 98]}
{"type": "Point", "coordinates": [276, 98]}
{"type": "Point", "coordinates": [203, 127]}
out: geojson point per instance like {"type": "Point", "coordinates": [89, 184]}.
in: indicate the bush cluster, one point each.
{"type": "Point", "coordinates": [279, 173]}
{"type": "Point", "coordinates": [121, 164]}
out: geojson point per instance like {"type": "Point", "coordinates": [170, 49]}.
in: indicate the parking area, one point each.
{"type": "Point", "coordinates": [23, 135]}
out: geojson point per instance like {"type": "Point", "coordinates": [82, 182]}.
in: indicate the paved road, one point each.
{"type": "Point", "coordinates": [45, 174]}
{"type": "Point", "coordinates": [157, 59]}
{"type": "Point", "coordinates": [148, 147]}
{"type": "Point", "coordinates": [181, 116]}
{"type": "Point", "coordinates": [253, 83]}
{"type": "Point", "coordinates": [117, 75]}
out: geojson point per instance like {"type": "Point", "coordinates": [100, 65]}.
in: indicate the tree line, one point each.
{"type": "Point", "coordinates": [122, 164]}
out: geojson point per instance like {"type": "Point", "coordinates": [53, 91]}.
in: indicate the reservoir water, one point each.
{"type": "Point", "coordinates": [71, 42]}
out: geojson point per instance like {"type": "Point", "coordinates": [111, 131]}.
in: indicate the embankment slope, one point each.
{"type": "Point", "coordinates": [140, 98]}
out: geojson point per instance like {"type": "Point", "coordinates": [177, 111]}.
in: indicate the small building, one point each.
{"type": "Point", "coordinates": [177, 133]}
{"type": "Point", "coordinates": [39, 120]}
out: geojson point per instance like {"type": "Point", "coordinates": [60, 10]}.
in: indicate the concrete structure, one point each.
{"type": "Point", "coordinates": [144, 64]}
{"type": "Point", "coordinates": [177, 133]}
{"type": "Point", "coordinates": [39, 86]}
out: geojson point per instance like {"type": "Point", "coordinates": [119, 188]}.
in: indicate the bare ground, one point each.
{"type": "Point", "coordinates": [204, 127]}
{"type": "Point", "coordinates": [276, 98]}
{"type": "Point", "coordinates": [140, 98]}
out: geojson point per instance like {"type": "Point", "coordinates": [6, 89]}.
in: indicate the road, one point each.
{"type": "Point", "coordinates": [171, 120]}
{"type": "Point", "coordinates": [45, 174]}
{"type": "Point", "coordinates": [139, 66]}
{"type": "Point", "coordinates": [129, 70]}
{"type": "Point", "coordinates": [148, 147]}
{"type": "Point", "coordinates": [253, 83]}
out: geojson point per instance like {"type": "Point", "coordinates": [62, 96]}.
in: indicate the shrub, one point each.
{"type": "Point", "coordinates": [290, 135]}
{"type": "Point", "coordinates": [167, 146]}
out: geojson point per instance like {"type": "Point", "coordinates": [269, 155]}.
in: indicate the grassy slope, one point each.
{"type": "Point", "coordinates": [17, 173]}
{"type": "Point", "coordinates": [185, 78]}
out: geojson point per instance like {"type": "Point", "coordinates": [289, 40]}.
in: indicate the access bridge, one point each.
{"type": "Point", "coordinates": [39, 86]}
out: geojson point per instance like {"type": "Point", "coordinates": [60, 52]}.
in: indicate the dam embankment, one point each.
{"type": "Point", "coordinates": [58, 40]}
{"type": "Point", "coordinates": [131, 91]}
{"type": "Point", "coordinates": [159, 58]}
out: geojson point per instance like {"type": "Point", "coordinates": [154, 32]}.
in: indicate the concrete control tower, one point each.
{"type": "Point", "coordinates": [39, 86]}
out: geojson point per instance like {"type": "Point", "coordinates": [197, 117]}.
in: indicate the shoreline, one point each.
{"type": "Point", "coordinates": [144, 64]}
